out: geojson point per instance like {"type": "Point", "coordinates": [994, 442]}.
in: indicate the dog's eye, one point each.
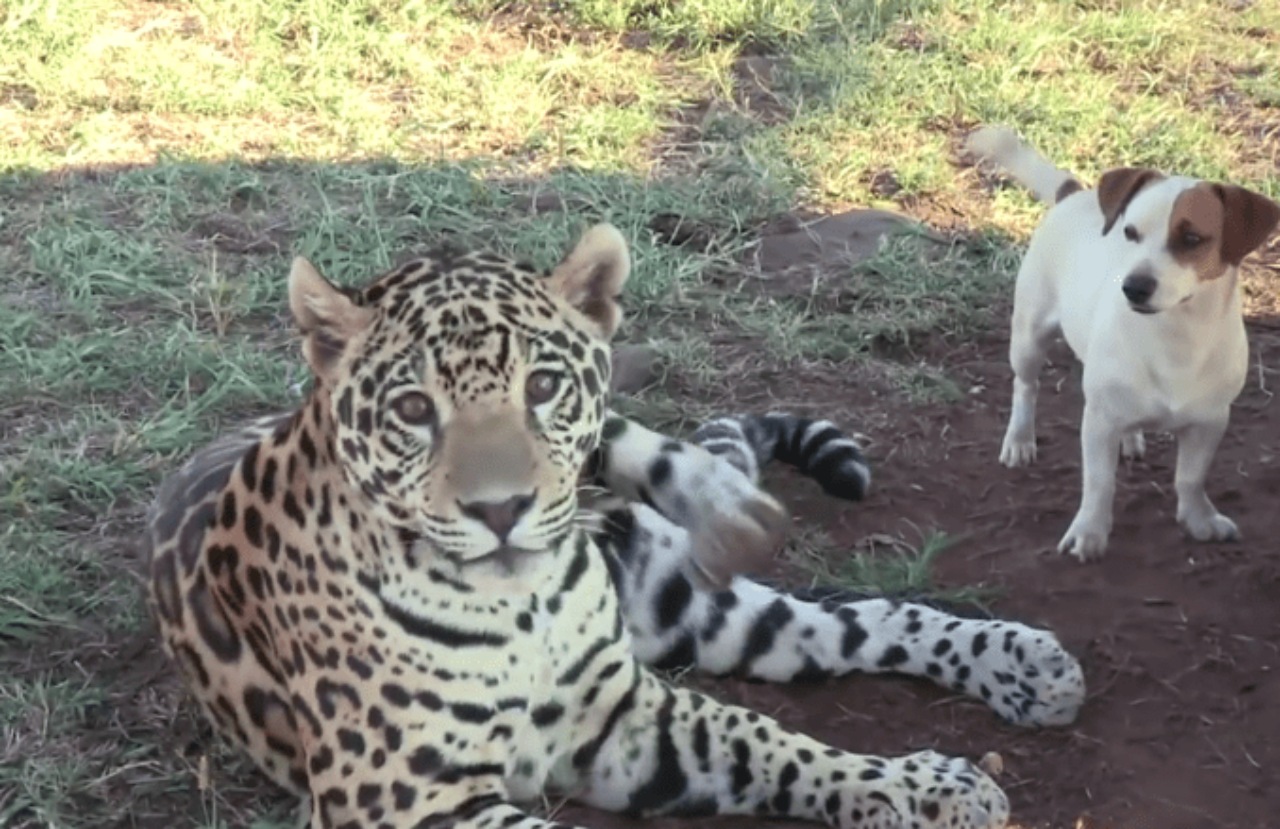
{"type": "Point", "coordinates": [415, 408]}
{"type": "Point", "coordinates": [541, 387]}
{"type": "Point", "coordinates": [1190, 239]}
{"type": "Point", "coordinates": [1131, 233]}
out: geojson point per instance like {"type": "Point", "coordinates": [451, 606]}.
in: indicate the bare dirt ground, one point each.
{"type": "Point", "coordinates": [1179, 641]}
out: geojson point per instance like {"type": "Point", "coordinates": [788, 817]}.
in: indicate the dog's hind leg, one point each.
{"type": "Point", "coordinates": [1030, 336]}
{"type": "Point", "coordinates": [1196, 446]}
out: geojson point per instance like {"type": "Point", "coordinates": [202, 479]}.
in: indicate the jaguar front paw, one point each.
{"type": "Point", "coordinates": [927, 790]}
{"type": "Point", "coordinates": [1028, 677]}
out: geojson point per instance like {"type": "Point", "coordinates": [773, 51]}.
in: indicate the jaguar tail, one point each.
{"type": "Point", "coordinates": [817, 448]}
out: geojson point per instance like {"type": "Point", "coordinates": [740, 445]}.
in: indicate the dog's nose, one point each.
{"type": "Point", "coordinates": [1138, 287]}
{"type": "Point", "coordinates": [499, 516]}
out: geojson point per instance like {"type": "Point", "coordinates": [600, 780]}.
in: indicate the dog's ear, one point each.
{"type": "Point", "coordinates": [1247, 220]}
{"type": "Point", "coordinates": [1117, 188]}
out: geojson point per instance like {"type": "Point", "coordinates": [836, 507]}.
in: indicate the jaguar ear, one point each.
{"type": "Point", "coordinates": [326, 316]}
{"type": "Point", "coordinates": [591, 277]}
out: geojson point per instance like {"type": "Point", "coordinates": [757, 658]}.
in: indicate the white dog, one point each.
{"type": "Point", "coordinates": [1140, 278]}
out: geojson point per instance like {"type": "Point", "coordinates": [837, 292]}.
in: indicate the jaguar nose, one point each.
{"type": "Point", "coordinates": [499, 516]}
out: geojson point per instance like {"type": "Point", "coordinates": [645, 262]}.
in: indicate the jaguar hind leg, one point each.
{"type": "Point", "coordinates": [750, 630]}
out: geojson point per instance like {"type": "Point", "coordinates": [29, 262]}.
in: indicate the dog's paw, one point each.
{"type": "Point", "coordinates": [1212, 526]}
{"type": "Point", "coordinates": [1018, 451]}
{"type": "Point", "coordinates": [1133, 445]}
{"type": "Point", "coordinates": [1085, 539]}
{"type": "Point", "coordinates": [931, 791]}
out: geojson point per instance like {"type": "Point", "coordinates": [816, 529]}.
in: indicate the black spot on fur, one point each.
{"type": "Point", "coordinates": [359, 667]}
{"type": "Point", "coordinates": [673, 600]}
{"type": "Point", "coordinates": [425, 760]}
{"type": "Point", "coordinates": [403, 796]}
{"type": "Point", "coordinates": [660, 472]}
{"type": "Point", "coordinates": [786, 779]}
{"type": "Point", "coordinates": [613, 429]}
{"type": "Point", "coordinates": [322, 760]}
{"type": "Point", "coordinates": [228, 516]}
{"type": "Point", "coordinates": [327, 692]}
{"type": "Point", "coordinates": [450, 637]}
{"type": "Point", "coordinates": [351, 741]}
{"type": "Point", "coordinates": [396, 695]}
{"type": "Point", "coordinates": [702, 743]}
{"type": "Point", "coordinates": [764, 631]}
{"type": "Point", "coordinates": [668, 782]}
{"type": "Point", "coordinates": [740, 775]}
{"type": "Point", "coordinates": [368, 794]}
{"type": "Point", "coordinates": [308, 447]}
{"type": "Point", "coordinates": [854, 633]}
{"type": "Point", "coordinates": [470, 712]}
{"type": "Point", "coordinates": [547, 714]}
{"type": "Point", "coordinates": [253, 525]}
{"type": "Point", "coordinates": [293, 510]}
{"type": "Point", "coordinates": [249, 468]}
{"type": "Point", "coordinates": [893, 656]}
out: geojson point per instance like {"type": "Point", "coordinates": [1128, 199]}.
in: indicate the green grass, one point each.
{"type": "Point", "coordinates": [891, 565]}
{"type": "Point", "coordinates": [162, 161]}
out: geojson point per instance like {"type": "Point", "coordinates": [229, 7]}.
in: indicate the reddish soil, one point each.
{"type": "Point", "coordinates": [1180, 641]}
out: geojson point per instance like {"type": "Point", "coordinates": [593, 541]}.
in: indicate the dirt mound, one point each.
{"type": "Point", "coordinates": [826, 242]}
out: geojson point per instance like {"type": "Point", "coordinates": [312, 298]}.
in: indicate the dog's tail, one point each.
{"type": "Point", "coordinates": [1002, 147]}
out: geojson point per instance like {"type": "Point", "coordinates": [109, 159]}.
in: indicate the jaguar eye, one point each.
{"type": "Point", "coordinates": [415, 408]}
{"type": "Point", "coordinates": [1131, 233]}
{"type": "Point", "coordinates": [541, 387]}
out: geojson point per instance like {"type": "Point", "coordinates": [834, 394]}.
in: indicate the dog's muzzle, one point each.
{"type": "Point", "coordinates": [1138, 288]}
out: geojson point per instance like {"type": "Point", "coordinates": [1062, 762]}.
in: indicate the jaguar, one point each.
{"type": "Point", "coordinates": [445, 584]}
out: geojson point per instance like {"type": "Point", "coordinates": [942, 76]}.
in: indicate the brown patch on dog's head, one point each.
{"type": "Point", "coordinates": [1067, 188]}
{"type": "Point", "coordinates": [1196, 229]}
{"type": "Point", "coordinates": [1248, 219]}
{"type": "Point", "coordinates": [1117, 188]}
{"type": "Point", "coordinates": [1214, 226]}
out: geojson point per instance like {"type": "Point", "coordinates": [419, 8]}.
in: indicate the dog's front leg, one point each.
{"type": "Point", "coordinates": [1100, 444]}
{"type": "Point", "coordinates": [1197, 444]}
{"type": "Point", "coordinates": [1028, 349]}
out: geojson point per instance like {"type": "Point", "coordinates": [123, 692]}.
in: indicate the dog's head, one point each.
{"type": "Point", "coordinates": [1179, 233]}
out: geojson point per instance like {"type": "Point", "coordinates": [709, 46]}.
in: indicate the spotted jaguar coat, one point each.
{"type": "Point", "coordinates": [393, 601]}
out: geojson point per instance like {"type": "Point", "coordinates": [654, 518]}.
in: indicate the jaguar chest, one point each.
{"type": "Point", "coordinates": [493, 679]}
